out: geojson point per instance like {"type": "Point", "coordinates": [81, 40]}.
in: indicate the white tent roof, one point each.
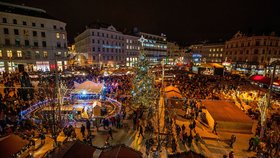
{"type": "Point", "coordinates": [87, 87]}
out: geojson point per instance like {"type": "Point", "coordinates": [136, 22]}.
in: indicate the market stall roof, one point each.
{"type": "Point", "coordinates": [260, 79]}
{"type": "Point", "coordinates": [216, 65]}
{"type": "Point", "coordinates": [276, 83]}
{"type": "Point", "coordinates": [205, 65]}
{"type": "Point", "coordinates": [120, 151]}
{"type": "Point", "coordinates": [211, 65]}
{"type": "Point", "coordinates": [172, 92]}
{"type": "Point", "coordinates": [87, 87]}
{"type": "Point", "coordinates": [171, 88]}
{"type": "Point", "coordinates": [72, 150]}
{"type": "Point", "coordinates": [189, 154]}
{"type": "Point", "coordinates": [11, 145]}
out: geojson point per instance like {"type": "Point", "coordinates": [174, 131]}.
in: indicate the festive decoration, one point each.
{"type": "Point", "coordinates": [144, 92]}
{"type": "Point", "coordinates": [262, 106]}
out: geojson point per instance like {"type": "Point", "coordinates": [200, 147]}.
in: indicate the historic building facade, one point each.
{"type": "Point", "coordinates": [109, 47]}
{"type": "Point", "coordinates": [207, 53]}
{"type": "Point", "coordinates": [252, 52]}
{"type": "Point", "coordinates": [32, 38]}
{"type": "Point", "coordinates": [103, 43]}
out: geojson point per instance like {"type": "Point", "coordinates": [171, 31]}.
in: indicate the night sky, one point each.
{"type": "Point", "coordinates": [183, 21]}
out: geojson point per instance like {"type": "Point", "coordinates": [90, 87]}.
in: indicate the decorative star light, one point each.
{"type": "Point", "coordinates": [142, 40]}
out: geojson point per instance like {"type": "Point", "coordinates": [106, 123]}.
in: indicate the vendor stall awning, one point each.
{"type": "Point", "coordinates": [260, 79]}
{"type": "Point", "coordinates": [172, 92]}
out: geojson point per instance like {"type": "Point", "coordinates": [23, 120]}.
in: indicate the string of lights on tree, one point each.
{"type": "Point", "coordinates": [144, 93]}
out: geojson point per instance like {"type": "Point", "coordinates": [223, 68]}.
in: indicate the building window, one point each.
{"type": "Point", "coordinates": [209, 55]}
{"type": "Point", "coordinates": [9, 54]}
{"type": "Point", "coordinates": [92, 40]}
{"type": "Point", "coordinates": [97, 33]}
{"type": "Point", "coordinates": [6, 31]}
{"type": "Point", "coordinates": [221, 55]}
{"type": "Point", "coordinates": [43, 34]}
{"type": "Point", "coordinates": [54, 26]}
{"type": "Point", "coordinates": [37, 54]}
{"type": "Point", "coordinates": [36, 44]}
{"type": "Point", "coordinates": [93, 49]}
{"type": "Point", "coordinates": [58, 53]}
{"type": "Point", "coordinates": [26, 42]}
{"type": "Point", "coordinates": [58, 45]}
{"type": "Point", "coordinates": [98, 49]}
{"type": "Point", "coordinates": [256, 51]}
{"type": "Point", "coordinates": [57, 35]}
{"type": "Point", "coordinates": [16, 32]}
{"type": "Point", "coordinates": [17, 42]}
{"type": "Point", "coordinates": [218, 49]}
{"type": "Point", "coordinates": [63, 36]}
{"type": "Point", "coordinates": [44, 43]}
{"type": "Point", "coordinates": [214, 50]}
{"type": "Point", "coordinates": [25, 32]}
{"type": "Point", "coordinates": [4, 20]}
{"type": "Point", "coordinates": [92, 33]}
{"type": "Point", "coordinates": [93, 57]}
{"type": "Point", "coordinates": [24, 23]}
{"type": "Point", "coordinates": [222, 49]}
{"type": "Point", "coordinates": [7, 42]}
{"type": "Point", "coordinates": [1, 54]}
{"type": "Point", "coordinates": [33, 24]}
{"type": "Point", "coordinates": [45, 54]}
{"type": "Point", "coordinates": [42, 25]}
{"type": "Point", "coordinates": [19, 53]}
{"type": "Point", "coordinates": [14, 21]}
{"type": "Point", "coordinates": [34, 33]}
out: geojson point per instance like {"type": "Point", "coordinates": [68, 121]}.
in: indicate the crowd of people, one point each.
{"type": "Point", "coordinates": [193, 88]}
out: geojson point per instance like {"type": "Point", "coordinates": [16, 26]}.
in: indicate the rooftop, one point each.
{"type": "Point", "coordinates": [24, 10]}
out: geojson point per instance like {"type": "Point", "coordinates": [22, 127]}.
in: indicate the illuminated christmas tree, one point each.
{"type": "Point", "coordinates": [144, 93]}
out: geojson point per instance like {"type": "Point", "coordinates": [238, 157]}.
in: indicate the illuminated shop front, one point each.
{"type": "Point", "coordinates": [42, 66]}
{"type": "Point", "coordinates": [196, 58]}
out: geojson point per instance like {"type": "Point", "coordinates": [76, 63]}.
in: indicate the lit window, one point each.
{"type": "Point", "coordinates": [218, 49]}
{"type": "Point", "coordinates": [130, 41]}
{"type": "Point", "coordinates": [9, 53]}
{"type": "Point", "coordinates": [221, 49]}
{"type": "Point", "coordinates": [210, 50]}
{"type": "Point", "coordinates": [58, 53]}
{"type": "Point", "coordinates": [127, 41]}
{"type": "Point", "coordinates": [57, 35]}
{"type": "Point", "coordinates": [214, 50]}
{"type": "Point", "coordinates": [63, 36]}
{"type": "Point", "coordinates": [1, 53]}
{"type": "Point", "coordinates": [19, 53]}
{"type": "Point", "coordinates": [217, 55]}
{"type": "Point", "coordinates": [221, 55]}
{"type": "Point", "coordinates": [127, 47]}
{"type": "Point", "coordinates": [209, 55]}
{"type": "Point", "coordinates": [45, 54]}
